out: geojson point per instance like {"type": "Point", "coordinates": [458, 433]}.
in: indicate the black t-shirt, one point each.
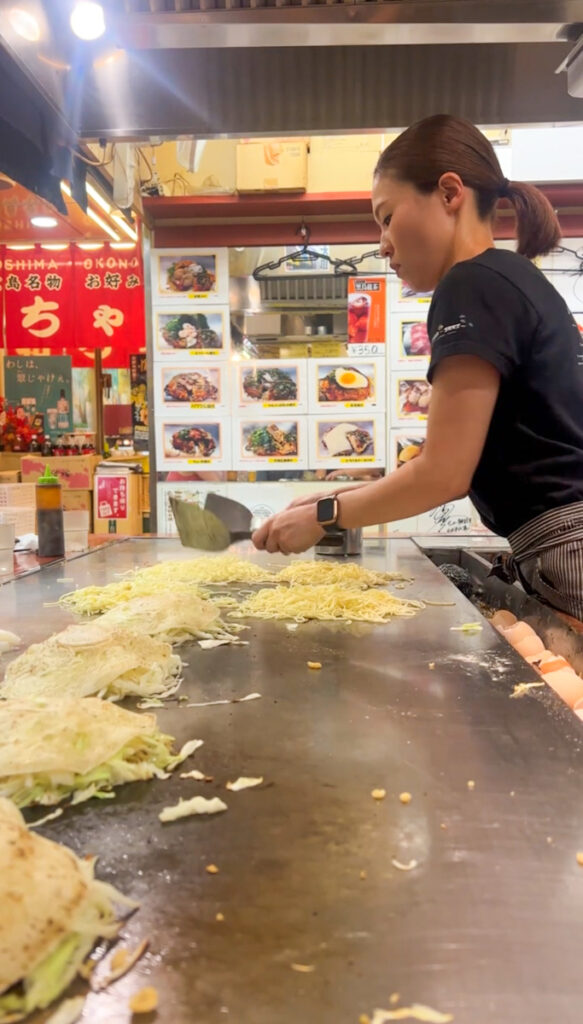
{"type": "Point", "coordinates": [500, 307]}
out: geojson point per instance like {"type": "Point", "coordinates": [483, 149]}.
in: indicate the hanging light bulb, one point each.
{"type": "Point", "coordinates": [88, 20]}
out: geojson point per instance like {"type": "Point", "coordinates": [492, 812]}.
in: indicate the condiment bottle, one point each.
{"type": "Point", "coordinates": [49, 516]}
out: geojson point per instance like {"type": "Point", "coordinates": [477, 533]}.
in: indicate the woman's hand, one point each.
{"type": "Point", "coordinates": [289, 532]}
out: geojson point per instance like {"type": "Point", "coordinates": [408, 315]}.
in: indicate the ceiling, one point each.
{"type": "Point", "coordinates": [211, 68]}
{"type": "Point", "coordinates": [18, 206]}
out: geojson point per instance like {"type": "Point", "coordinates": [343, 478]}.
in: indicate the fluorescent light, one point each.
{"type": "Point", "coordinates": [44, 222]}
{"type": "Point", "coordinates": [55, 246]}
{"type": "Point", "coordinates": [88, 20]}
{"type": "Point", "coordinates": [123, 224]}
{"type": "Point", "coordinates": [66, 189]}
{"type": "Point", "coordinates": [122, 245]}
{"type": "Point", "coordinates": [90, 246]}
{"type": "Point", "coordinates": [24, 24]}
{"type": "Point", "coordinates": [19, 248]}
{"type": "Point", "coordinates": [98, 198]}
{"type": "Point", "coordinates": [101, 223]}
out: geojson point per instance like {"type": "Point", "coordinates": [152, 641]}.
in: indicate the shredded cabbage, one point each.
{"type": "Point", "coordinates": [144, 757]}
{"type": "Point", "coordinates": [95, 918]}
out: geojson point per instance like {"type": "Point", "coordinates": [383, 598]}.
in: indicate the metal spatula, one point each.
{"type": "Point", "coordinates": [220, 523]}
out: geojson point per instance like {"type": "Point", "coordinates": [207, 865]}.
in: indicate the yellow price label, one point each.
{"type": "Point", "coordinates": [358, 458]}
{"type": "Point", "coordinates": [198, 462]}
{"type": "Point", "coordinates": [354, 405]}
{"type": "Point", "coordinates": [204, 351]}
{"type": "Point", "coordinates": [282, 458]}
{"type": "Point", "coordinates": [202, 405]}
{"type": "Point", "coordinates": [279, 405]}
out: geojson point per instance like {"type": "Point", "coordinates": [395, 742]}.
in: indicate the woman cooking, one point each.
{"type": "Point", "coordinates": [506, 415]}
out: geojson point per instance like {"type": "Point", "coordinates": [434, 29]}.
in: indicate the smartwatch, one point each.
{"type": "Point", "coordinates": [327, 514]}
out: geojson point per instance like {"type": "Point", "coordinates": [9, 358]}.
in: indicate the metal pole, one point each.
{"type": "Point", "coordinates": [99, 434]}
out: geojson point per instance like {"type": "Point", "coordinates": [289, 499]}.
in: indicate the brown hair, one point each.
{"type": "Point", "coordinates": [443, 143]}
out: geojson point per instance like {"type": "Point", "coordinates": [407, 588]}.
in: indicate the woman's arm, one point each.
{"type": "Point", "coordinates": [464, 395]}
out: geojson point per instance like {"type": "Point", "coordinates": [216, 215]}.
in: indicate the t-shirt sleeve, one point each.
{"type": "Point", "coordinates": [477, 312]}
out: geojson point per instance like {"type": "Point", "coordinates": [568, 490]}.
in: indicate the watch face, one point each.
{"type": "Point", "coordinates": [326, 510]}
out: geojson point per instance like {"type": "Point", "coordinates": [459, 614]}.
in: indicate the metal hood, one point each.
{"type": "Point", "coordinates": [258, 67]}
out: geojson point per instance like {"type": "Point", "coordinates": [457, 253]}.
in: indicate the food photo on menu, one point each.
{"type": "Point", "coordinates": [186, 274]}
{"type": "Point", "coordinates": [190, 331]}
{"type": "Point", "coordinates": [345, 383]}
{"type": "Point", "coordinates": [192, 441]}
{"type": "Point", "coordinates": [408, 448]}
{"type": "Point", "coordinates": [269, 440]}
{"type": "Point", "coordinates": [414, 339]}
{"type": "Point", "coordinates": [201, 386]}
{"type": "Point", "coordinates": [408, 292]}
{"type": "Point", "coordinates": [269, 384]}
{"type": "Point", "coordinates": [344, 438]}
{"type": "Point", "coordinates": [413, 398]}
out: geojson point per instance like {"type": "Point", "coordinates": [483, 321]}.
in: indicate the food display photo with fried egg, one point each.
{"type": "Point", "coordinates": [346, 384]}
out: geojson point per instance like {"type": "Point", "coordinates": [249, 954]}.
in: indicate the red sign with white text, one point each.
{"type": "Point", "coordinates": [38, 298]}
{"type": "Point", "coordinates": [109, 299]}
{"type": "Point", "coordinates": [74, 301]}
{"type": "Point", "coordinates": [112, 497]}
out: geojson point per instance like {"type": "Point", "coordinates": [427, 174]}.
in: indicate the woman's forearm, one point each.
{"type": "Point", "coordinates": [409, 491]}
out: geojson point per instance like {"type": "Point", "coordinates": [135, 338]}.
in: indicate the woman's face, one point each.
{"type": "Point", "coordinates": [417, 233]}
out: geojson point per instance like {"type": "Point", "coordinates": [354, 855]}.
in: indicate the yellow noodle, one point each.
{"type": "Point", "coordinates": [326, 602]}
{"type": "Point", "coordinates": [349, 574]}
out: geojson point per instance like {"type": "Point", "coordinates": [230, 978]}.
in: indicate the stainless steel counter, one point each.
{"type": "Point", "coordinates": [487, 927]}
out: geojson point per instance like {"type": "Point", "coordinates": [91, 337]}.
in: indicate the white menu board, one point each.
{"type": "Point", "coordinates": [198, 442]}
{"type": "Point", "coordinates": [410, 398]}
{"type": "Point", "coordinates": [180, 388]}
{"type": "Point", "coordinates": [345, 440]}
{"type": "Point", "coordinates": [269, 387]}
{"type": "Point", "coordinates": [196, 276]}
{"type": "Point", "coordinates": [336, 384]}
{"type": "Point", "coordinates": [181, 333]}
{"type": "Point", "coordinates": [270, 443]}
{"type": "Point", "coordinates": [405, 445]}
{"type": "Point", "coordinates": [410, 346]}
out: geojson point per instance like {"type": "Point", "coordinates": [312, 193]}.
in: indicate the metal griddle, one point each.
{"type": "Point", "coordinates": [487, 927]}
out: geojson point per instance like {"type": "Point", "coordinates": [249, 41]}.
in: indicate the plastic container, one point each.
{"type": "Point", "coordinates": [49, 515]}
{"type": "Point", "coordinates": [76, 524]}
{"type": "Point", "coordinates": [7, 536]}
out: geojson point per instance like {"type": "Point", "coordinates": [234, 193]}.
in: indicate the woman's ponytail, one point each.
{"type": "Point", "coordinates": [442, 143]}
{"type": "Point", "coordinates": [537, 225]}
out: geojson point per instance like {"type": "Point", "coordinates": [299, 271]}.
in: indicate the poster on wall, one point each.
{"type": "Point", "coordinates": [197, 275]}
{"type": "Point", "coordinates": [337, 441]}
{"type": "Point", "coordinates": [270, 443]}
{"type": "Point", "coordinates": [38, 299]}
{"type": "Point", "coordinates": [262, 387]}
{"type": "Point", "coordinates": [181, 388]}
{"type": "Point", "coordinates": [204, 443]}
{"type": "Point", "coordinates": [412, 394]}
{"type": "Point", "coordinates": [41, 386]}
{"type": "Point", "coordinates": [341, 384]}
{"type": "Point", "coordinates": [202, 334]}
{"type": "Point", "coordinates": [410, 343]}
{"type": "Point", "coordinates": [404, 446]}
{"type": "Point", "coordinates": [367, 300]}
{"type": "Point", "coordinates": [139, 393]}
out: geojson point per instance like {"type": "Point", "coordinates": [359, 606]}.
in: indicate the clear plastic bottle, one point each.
{"type": "Point", "coordinates": [49, 516]}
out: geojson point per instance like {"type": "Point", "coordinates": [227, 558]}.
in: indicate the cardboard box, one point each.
{"type": "Point", "coordinates": [10, 476]}
{"type": "Point", "coordinates": [10, 461]}
{"type": "Point", "coordinates": [272, 167]}
{"type": "Point", "coordinates": [77, 501]}
{"type": "Point", "coordinates": [74, 472]}
{"type": "Point", "coordinates": [343, 163]}
{"type": "Point", "coordinates": [116, 503]}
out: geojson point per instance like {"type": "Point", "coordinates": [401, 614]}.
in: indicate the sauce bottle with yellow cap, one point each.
{"type": "Point", "coordinates": [49, 516]}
